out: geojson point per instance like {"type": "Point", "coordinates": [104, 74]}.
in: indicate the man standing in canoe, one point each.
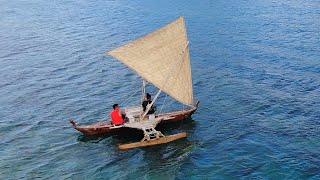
{"type": "Point", "coordinates": [116, 116]}
{"type": "Point", "coordinates": [147, 100]}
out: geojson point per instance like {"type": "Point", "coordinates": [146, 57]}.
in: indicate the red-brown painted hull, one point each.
{"type": "Point", "coordinates": [103, 129]}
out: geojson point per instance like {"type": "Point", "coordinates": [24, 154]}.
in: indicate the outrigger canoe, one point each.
{"type": "Point", "coordinates": [162, 59]}
{"type": "Point", "coordinates": [106, 128]}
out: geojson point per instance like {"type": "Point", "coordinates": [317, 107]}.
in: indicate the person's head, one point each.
{"type": "Point", "coordinates": [116, 107]}
{"type": "Point", "coordinates": [148, 96]}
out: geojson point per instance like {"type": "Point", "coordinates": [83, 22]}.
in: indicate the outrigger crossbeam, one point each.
{"type": "Point", "coordinates": [151, 135]}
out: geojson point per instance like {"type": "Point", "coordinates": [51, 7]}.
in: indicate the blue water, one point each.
{"type": "Point", "coordinates": [256, 71]}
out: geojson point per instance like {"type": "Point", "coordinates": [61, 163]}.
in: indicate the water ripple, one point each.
{"type": "Point", "coordinates": [255, 71]}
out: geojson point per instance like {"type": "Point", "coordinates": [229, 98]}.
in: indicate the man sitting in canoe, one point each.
{"type": "Point", "coordinates": [116, 116]}
{"type": "Point", "coordinates": [147, 100]}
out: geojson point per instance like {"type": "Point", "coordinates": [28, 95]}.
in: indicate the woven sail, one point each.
{"type": "Point", "coordinates": [162, 58]}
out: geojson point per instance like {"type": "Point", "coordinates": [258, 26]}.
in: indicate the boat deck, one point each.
{"type": "Point", "coordinates": [148, 123]}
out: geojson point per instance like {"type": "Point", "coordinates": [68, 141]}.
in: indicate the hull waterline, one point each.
{"type": "Point", "coordinates": [103, 129]}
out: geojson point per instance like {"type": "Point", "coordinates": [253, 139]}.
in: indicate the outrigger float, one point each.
{"type": "Point", "coordinates": [162, 59]}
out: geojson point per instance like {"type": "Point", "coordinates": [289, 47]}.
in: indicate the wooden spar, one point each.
{"type": "Point", "coordinates": [143, 90]}
{"type": "Point", "coordinates": [153, 142]}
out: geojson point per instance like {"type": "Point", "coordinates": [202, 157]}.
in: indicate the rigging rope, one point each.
{"type": "Point", "coordinates": [125, 100]}
{"type": "Point", "coordinates": [164, 101]}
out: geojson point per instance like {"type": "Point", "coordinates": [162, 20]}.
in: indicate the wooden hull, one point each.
{"type": "Point", "coordinates": [153, 142]}
{"type": "Point", "coordinates": [103, 129]}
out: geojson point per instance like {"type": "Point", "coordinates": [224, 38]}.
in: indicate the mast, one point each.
{"type": "Point", "coordinates": [143, 90]}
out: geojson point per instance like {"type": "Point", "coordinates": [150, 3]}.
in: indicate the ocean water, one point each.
{"type": "Point", "coordinates": [256, 72]}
